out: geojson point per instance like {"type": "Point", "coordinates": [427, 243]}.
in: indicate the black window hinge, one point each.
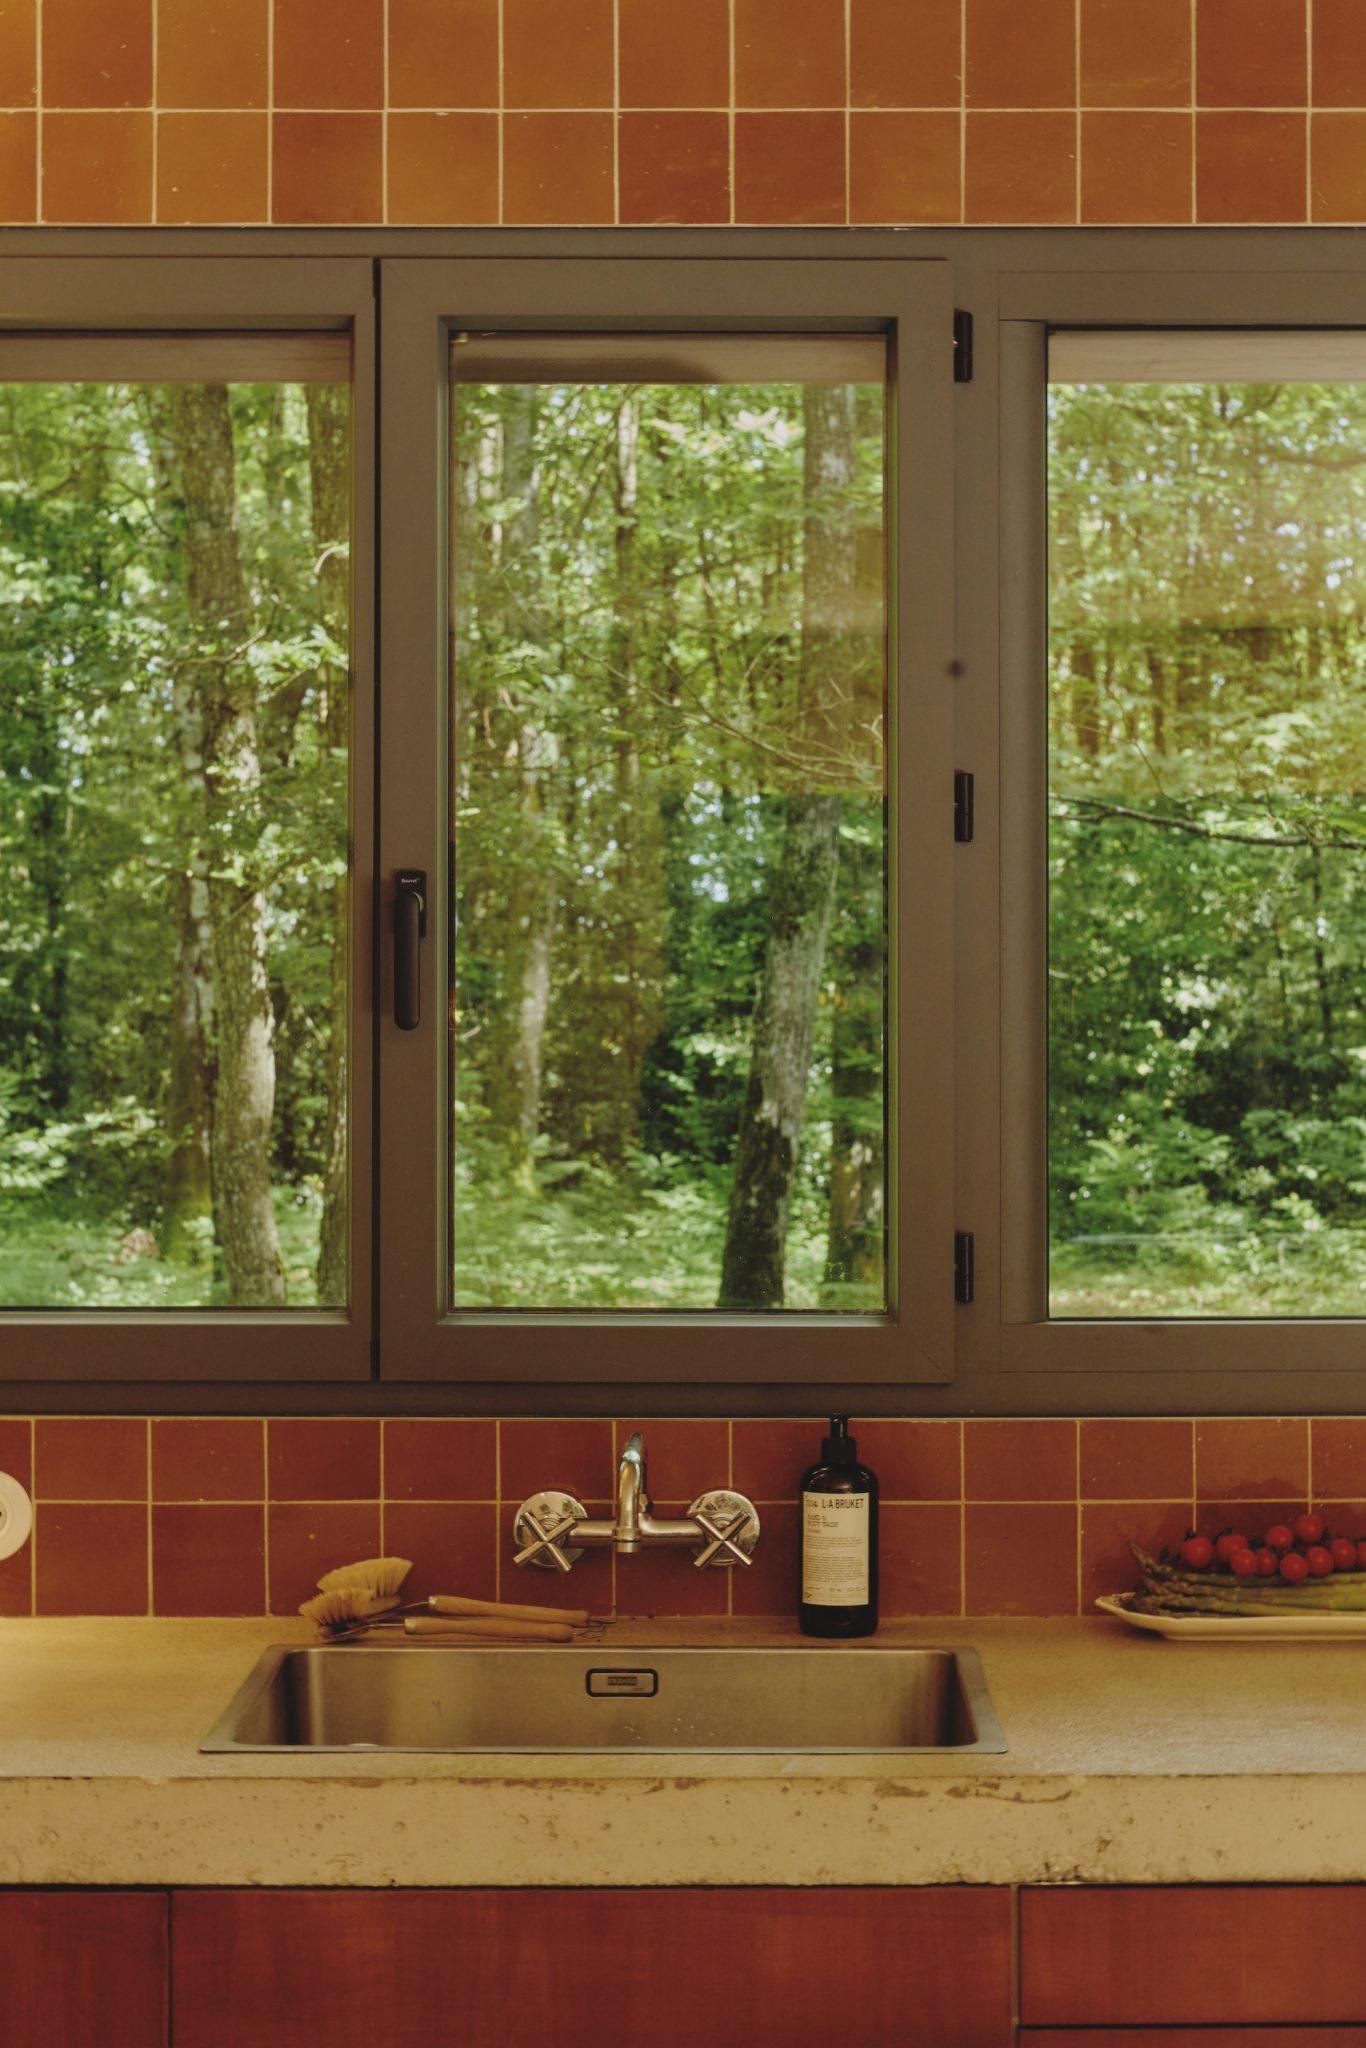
{"type": "Point", "coordinates": [963, 1261]}
{"type": "Point", "coordinates": [964, 797]}
{"type": "Point", "coordinates": [962, 347]}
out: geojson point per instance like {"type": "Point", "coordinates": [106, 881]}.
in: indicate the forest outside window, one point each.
{"type": "Point", "coordinates": [175, 626]}
{"type": "Point", "coordinates": [669, 814]}
{"type": "Point", "coordinates": [1207, 826]}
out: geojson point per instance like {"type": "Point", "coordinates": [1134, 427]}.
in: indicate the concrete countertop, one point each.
{"type": "Point", "coordinates": [1130, 1761]}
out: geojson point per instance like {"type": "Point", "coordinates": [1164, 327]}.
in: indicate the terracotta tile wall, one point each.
{"type": "Point", "coordinates": [465, 112]}
{"type": "Point", "coordinates": [190, 1516]}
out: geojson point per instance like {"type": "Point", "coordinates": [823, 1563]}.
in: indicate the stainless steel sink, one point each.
{"type": "Point", "coordinates": [547, 1701]}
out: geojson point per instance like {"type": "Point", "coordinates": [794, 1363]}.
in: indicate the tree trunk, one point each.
{"type": "Point", "coordinates": [329, 466]}
{"type": "Point", "coordinates": [802, 896]}
{"type": "Point", "coordinates": [855, 1246]}
{"type": "Point", "coordinates": [201, 430]}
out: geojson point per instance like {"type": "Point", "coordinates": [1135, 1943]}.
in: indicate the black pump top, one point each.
{"type": "Point", "coordinates": [839, 1448]}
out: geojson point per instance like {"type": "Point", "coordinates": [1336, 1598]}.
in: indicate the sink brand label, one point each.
{"type": "Point", "coordinates": [604, 1685]}
{"type": "Point", "coordinates": [835, 1549]}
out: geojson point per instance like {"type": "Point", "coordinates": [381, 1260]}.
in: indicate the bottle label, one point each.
{"type": "Point", "coordinates": [835, 1543]}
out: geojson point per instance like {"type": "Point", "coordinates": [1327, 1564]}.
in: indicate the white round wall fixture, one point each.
{"type": "Point", "coordinates": [16, 1516]}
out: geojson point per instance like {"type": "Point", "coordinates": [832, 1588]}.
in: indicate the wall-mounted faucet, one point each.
{"type": "Point", "coordinates": [553, 1530]}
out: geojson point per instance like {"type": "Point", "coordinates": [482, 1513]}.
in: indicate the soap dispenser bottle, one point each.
{"type": "Point", "coordinates": [838, 1540]}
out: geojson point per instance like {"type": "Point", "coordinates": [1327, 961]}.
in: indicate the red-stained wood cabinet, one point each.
{"type": "Point", "coordinates": [83, 1969]}
{"type": "Point", "coordinates": [867, 1968]}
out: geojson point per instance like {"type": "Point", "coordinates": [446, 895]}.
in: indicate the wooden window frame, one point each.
{"type": "Point", "coordinates": [107, 298]}
{"type": "Point", "coordinates": [1004, 1355]}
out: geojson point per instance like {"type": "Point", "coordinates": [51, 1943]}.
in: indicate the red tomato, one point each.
{"type": "Point", "coordinates": [1280, 1538]}
{"type": "Point", "coordinates": [1309, 1530]}
{"type": "Point", "coordinates": [1319, 1560]}
{"type": "Point", "coordinates": [1294, 1568]}
{"type": "Point", "coordinates": [1243, 1564]}
{"type": "Point", "coordinates": [1229, 1544]}
{"type": "Point", "coordinates": [1197, 1553]}
{"type": "Point", "coordinates": [1268, 1564]}
{"type": "Point", "coordinates": [1344, 1554]}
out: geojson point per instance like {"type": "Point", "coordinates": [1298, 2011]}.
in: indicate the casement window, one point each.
{"type": "Point", "coordinates": [733, 816]}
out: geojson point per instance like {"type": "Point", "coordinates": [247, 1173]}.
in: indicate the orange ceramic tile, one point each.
{"type": "Point", "coordinates": [920, 1567]}
{"type": "Point", "coordinates": [212, 167]}
{"type": "Point", "coordinates": [667, 1581]}
{"type": "Point", "coordinates": [1136, 168]}
{"type": "Point", "coordinates": [208, 1458]}
{"type": "Point", "coordinates": [443, 169]}
{"type": "Point", "coordinates": [789, 169]}
{"type": "Point", "coordinates": [905, 53]}
{"type": "Point", "coordinates": [588, 1585]}
{"type": "Point", "coordinates": [770, 1585]}
{"type": "Point", "coordinates": [18, 167]}
{"type": "Point", "coordinates": [1338, 160]}
{"type": "Point", "coordinates": [1021, 56]}
{"type": "Point", "coordinates": [92, 1560]}
{"type": "Point", "coordinates": [18, 52]}
{"type": "Point", "coordinates": [686, 1456]}
{"type": "Point", "coordinates": [327, 168]}
{"type": "Point", "coordinates": [427, 1458]}
{"type": "Point", "coordinates": [308, 1458]}
{"type": "Point", "coordinates": [1021, 168]}
{"type": "Point", "coordinates": [309, 1538]}
{"type": "Point", "coordinates": [569, 1456]}
{"type": "Point", "coordinates": [212, 56]}
{"type": "Point", "coordinates": [98, 168]}
{"type": "Point", "coordinates": [1252, 1458]}
{"type": "Point", "coordinates": [1251, 1518]}
{"type": "Point", "coordinates": [769, 1458]}
{"type": "Point", "coordinates": [1108, 1528]}
{"type": "Point", "coordinates": [329, 53]}
{"type": "Point", "coordinates": [16, 1583]}
{"type": "Point", "coordinates": [674, 168]}
{"type": "Point", "coordinates": [672, 56]}
{"type": "Point", "coordinates": [1345, 1518]}
{"type": "Point", "coordinates": [452, 1545]}
{"type": "Point", "coordinates": [209, 1560]}
{"type": "Point", "coordinates": [905, 168]}
{"type": "Point", "coordinates": [16, 1449]}
{"type": "Point", "coordinates": [1339, 54]}
{"type": "Point", "coordinates": [1021, 1560]}
{"type": "Point", "coordinates": [1136, 56]}
{"type": "Point", "coordinates": [97, 53]}
{"type": "Point", "coordinates": [1124, 1458]}
{"type": "Point", "coordinates": [1249, 167]}
{"type": "Point", "coordinates": [557, 170]}
{"type": "Point", "coordinates": [443, 53]}
{"type": "Point", "coordinates": [557, 55]}
{"type": "Point", "coordinates": [1251, 53]}
{"type": "Point", "coordinates": [1011, 1460]}
{"type": "Point", "coordinates": [1339, 1457]}
{"type": "Point", "coordinates": [913, 1460]}
{"type": "Point", "coordinates": [789, 53]}
{"type": "Point", "coordinates": [81, 1457]}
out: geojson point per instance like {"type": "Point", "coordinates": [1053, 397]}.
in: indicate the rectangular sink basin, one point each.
{"type": "Point", "coordinates": [542, 1701]}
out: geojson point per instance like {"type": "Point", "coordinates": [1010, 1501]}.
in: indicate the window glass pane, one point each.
{"type": "Point", "coordinates": [668, 805]}
{"type": "Point", "coordinates": [1207, 878]}
{"type": "Point", "coordinates": [174, 629]}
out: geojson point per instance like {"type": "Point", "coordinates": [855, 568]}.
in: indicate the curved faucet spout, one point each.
{"type": "Point", "coordinates": [633, 1498]}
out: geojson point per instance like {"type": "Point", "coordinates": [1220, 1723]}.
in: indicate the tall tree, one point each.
{"type": "Point", "coordinates": [329, 464]}
{"type": "Point", "coordinates": [200, 425]}
{"type": "Point", "coordinates": [802, 893]}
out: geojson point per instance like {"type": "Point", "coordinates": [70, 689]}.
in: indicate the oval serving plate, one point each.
{"type": "Point", "coordinates": [1236, 1628]}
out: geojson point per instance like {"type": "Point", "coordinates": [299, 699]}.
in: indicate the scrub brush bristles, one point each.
{"type": "Point", "coordinates": [383, 1575]}
{"type": "Point", "coordinates": [336, 1611]}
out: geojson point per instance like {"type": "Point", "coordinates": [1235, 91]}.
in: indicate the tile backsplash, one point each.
{"type": "Point", "coordinates": [582, 112]}
{"type": "Point", "coordinates": [209, 1516]}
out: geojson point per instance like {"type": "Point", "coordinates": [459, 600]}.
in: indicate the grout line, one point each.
{"type": "Point", "coordinates": [383, 1434]}
{"type": "Point", "coordinates": [962, 120]}
{"type": "Point", "coordinates": [384, 136]}
{"type": "Point", "coordinates": [821, 107]}
{"type": "Point", "coordinates": [962, 1520]}
{"type": "Point", "coordinates": [270, 174]}
{"type": "Point", "coordinates": [1077, 1453]}
{"type": "Point", "coordinates": [265, 1525]}
{"type": "Point", "coordinates": [848, 117]}
{"type": "Point", "coordinates": [1076, 178]}
{"type": "Point", "coordinates": [147, 1441]}
{"type": "Point", "coordinates": [1308, 115]}
{"type": "Point", "coordinates": [1194, 149]}
{"type": "Point", "coordinates": [616, 110]}
{"type": "Point", "coordinates": [498, 1508]}
{"type": "Point", "coordinates": [502, 122]}
{"type": "Point", "coordinates": [155, 119]}
{"type": "Point", "coordinates": [33, 1535]}
{"type": "Point", "coordinates": [730, 101]}
{"type": "Point", "coordinates": [38, 113]}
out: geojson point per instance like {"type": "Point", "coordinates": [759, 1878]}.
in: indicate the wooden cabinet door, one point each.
{"type": "Point", "coordinates": [1193, 1955]}
{"type": "Point", "coordinates": [1192, 2037]}
{"type": "Point", "coordinates": [83, 1969]}
{"type": "Point", "coordinates": [576, 1969]}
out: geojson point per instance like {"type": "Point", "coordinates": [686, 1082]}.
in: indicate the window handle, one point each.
{"type": "Point", "coordinates": [410, 928]}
